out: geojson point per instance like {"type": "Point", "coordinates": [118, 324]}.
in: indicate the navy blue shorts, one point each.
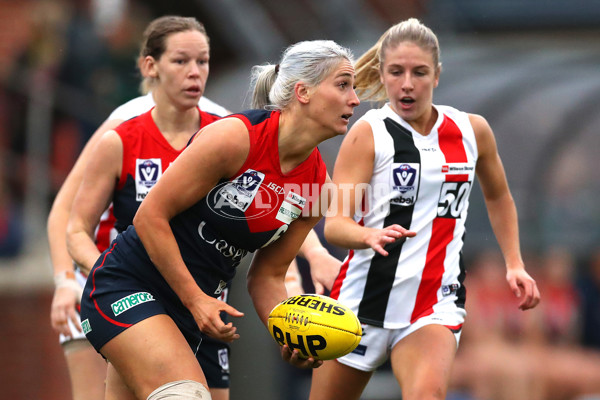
{"type": "Point", "coordinates": [115, 299]}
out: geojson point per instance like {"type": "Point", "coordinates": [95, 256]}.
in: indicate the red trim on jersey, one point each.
{"type": "Point", "coordinates": [104, 228]}
{"type": "Point", "coordinates": [442, 231]}
{"type": "Point", "coordinates": [106, 317]}
{"type": "Point", "coordinates": [337, 284]}
{"type": "Point", "coordinates": [454, 328]}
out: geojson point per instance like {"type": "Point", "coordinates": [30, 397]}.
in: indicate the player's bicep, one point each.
{"type": "Point", "coordinates": [101, 172]}
{"type": "Point", "coordinates": [489, 169]}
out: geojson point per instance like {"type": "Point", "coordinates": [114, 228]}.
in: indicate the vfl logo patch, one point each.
{"type": "Point", "coordinates": [405, 183]}
{"type": "Point", "coordinates": [127, 302]}
{"type": "Point", "coordinates": [147, 173]}
{"type": "Point", "coordinates": [85, 326]}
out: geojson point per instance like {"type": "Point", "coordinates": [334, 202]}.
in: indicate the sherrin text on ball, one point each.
{"type": "Point", "coordinates": [317, 326]}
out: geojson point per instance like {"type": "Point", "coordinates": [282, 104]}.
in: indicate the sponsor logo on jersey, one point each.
{"type": "Point", "coordinates": [222, 246]}
{"type": "Point", "coordinates": [288, 212]}
{"type": "Point", "coordinates": [127, 302]}
{"type": "Point", "coordinates": [405, 183]}
{"type": "Point", "coordinates": [296, 199]}
{"type": "Point", "coordinates": [85, 326]}
{"type": "Point", "coordinates": [147, 173]}
{"type": "Point", "coordinates": [458, 168]}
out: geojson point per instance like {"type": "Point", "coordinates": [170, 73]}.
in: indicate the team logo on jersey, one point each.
{"type": "Point", "coordinates": [241, 191]}
{"type": "Point", "coordinates": [232, 199]}
{"type": "Point", "coordinates": [147, 173]}
{"type": "Point", "coordinates": [405, 183]}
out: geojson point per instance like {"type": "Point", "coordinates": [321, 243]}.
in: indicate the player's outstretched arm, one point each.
{"type": "Point", "coordinates": [502, 213]}
{"type": "Point", "coordinates": [66, 294]}
{"type": "Point", "coordinates": [351, 175]}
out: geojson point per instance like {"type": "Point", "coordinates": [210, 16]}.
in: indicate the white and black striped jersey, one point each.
{"type": "Point", "coordinates": [423, 184]}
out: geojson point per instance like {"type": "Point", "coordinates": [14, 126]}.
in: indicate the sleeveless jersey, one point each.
{"type": "Point", "coordinates": [248, 211]}
{"type": "Point", "coordinates": [106, 230]}
{"type": "Point", "coordinates": [423, 184]}
{"type": "Point", "coordinates": [146, 155]}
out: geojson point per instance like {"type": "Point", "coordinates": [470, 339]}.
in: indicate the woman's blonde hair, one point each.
{"type": "Point", "coordinates": [369, 65]}
{"type": "Point", "coordinates": [309, 62]}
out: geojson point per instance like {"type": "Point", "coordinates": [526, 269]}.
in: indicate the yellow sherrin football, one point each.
{"type": "Point", "coordinates": [318, 326]}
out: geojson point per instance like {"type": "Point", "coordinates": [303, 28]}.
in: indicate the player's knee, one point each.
{"type": "Point", "coordinates": [186, 389]}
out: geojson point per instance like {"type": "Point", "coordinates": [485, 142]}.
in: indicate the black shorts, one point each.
{"type": "Point", "coordinates": [114, 299]}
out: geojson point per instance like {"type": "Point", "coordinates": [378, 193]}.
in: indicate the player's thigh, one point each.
{"type": "Point", "coordinates": [87, 370]}
{"type": "Point", "coordinates": [116, 389]}
{"type": "Point", "coordinates": [422, 361]}
{"type": "Point", "coordinates": [151, 353]}
{"type": "Point", "coordinates": [333, 380]}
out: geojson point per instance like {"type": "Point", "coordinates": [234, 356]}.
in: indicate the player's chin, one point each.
{"type": "Point", "coordinates": [344, 122]}
{"type": "Point", "coordinates": [191, 99]}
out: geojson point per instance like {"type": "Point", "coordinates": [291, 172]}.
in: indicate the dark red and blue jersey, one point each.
{"type": "Point", "coordinates": [250, 210]}
{"type": "Point", "coordinates": [146, 155]}
{"type": "Point", "coordinates": [241, 214]}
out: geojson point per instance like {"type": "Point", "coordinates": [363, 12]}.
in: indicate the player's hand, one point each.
{"type": "Point", "coordinates": [378, 238]}
{"type": "Point", "coordinates": [207, 313]}
{"type": "Point", "coordinates": [293, 357]}
{"type": "Point", "coordinates": [63, 309]}
{"type": "Point", "coordinates": [524, 287]}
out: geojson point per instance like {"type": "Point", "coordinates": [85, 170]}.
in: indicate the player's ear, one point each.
{"type": "Point", "coordinates": [302, 92]}
{"type": "Point", "coordinates": [438, 71]}
{"type": "Point", "coordinates": [148, 67]}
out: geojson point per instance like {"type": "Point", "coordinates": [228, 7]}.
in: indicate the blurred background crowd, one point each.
{"type": "Point", "coordinates": [530, 67]}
